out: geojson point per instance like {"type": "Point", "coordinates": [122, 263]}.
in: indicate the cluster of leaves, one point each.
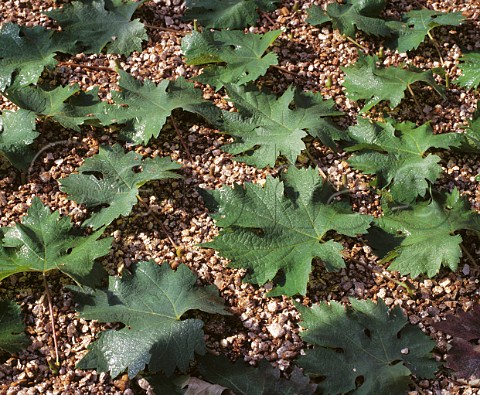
{"type": "Point", "coordinates": [274, 231]}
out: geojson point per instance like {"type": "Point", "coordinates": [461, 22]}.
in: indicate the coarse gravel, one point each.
{"type": "Point", "coordinates": [261, 327]}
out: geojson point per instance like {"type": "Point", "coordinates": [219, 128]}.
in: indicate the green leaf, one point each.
{"type": "Point", "coordinates": [110, 180]}
{"type": "Point", "coordinates": [244, 379]}
{"type": "Point", "coordinates": [426, 234]}
{"type": "Point", "coordinates": [364, 80]}
{"type": "Point", "coordinates": [145, 107]}
{"type": "Point", "coordinates": [17, 134]}
{"type": "Point", "coordinates": [231, 14]}
{"type": "Point", "coordinates": [470, 67]}
{"type": "Point", "coordinates": [68, 106]}
{"type": "Point", "coordinates": [367, 349]}
{"type": "Point", "coordinates": [96, 24]}
{"type": "Point", "coordinates": [26, 51]}
{"type": "Point", "coordinates": [281, 227]}
{"type": "Point", "coordinates": [12, 328]}
{"type": "Point", "coordinates": [470, 140]}
{"type": "Point", "coordinates": [362, 14]}
{"type": "Point", "coordinates": [230, 55]}
{"type": "Point", "coordinates": [417, 24]}
{"type": "Point", "coordinates": [45, 242]}
{"type": "Point", "coordinates": [396, 153]}
{"type": "Point", "coordinates": [267, 126]}
{"type": "Point", "coordinates": [150, 302]}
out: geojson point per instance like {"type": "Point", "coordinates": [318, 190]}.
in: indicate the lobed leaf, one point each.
{"type": "Point", "coordinates": [150, 302]}
{"type": "Point", "coordinates": [425, 234]}
{"type": "Point", "coordinates": [43, 242]}
{"type": "Point", "coordinates": [364, 80]}
{"type": "Point", "coordinates": [360, 14]}
{"type": "Point", "coordinates": [266, 126]}
{"type": "Point", "coordinates": [366, 349]}
{"type": "Point", "coordinates": [26, 51]}
{"type": "Point", "coordinates": [281, 227]}
{"type": "Point", "coordinates": [227, 14]}
{"type": "Point", "coordinates": [469, 65]}
{"type": "Point", "coordinates": [110, 180]}
{"type": "Point", "coordinates": [230, 56]}
{"type": "Point", "coordinates": [96, 24]}
{"type": "Point", "coordinates": [12, 328]}
{"type": "Point", "coordinates": [396, 153]}
{"type": "Point", "coordinates": [16, 137]}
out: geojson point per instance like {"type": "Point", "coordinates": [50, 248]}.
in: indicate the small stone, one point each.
{"type": "Point", "coordinates": [276, 330]}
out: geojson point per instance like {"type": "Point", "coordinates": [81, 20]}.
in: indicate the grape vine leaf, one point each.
{"type": "Point", "coordinates": [469, 65]}
{"type": "Point", "coordinates": [150, 302]}
{"type": "Point", "coordinates": [223, 14]}
{"type": "Point", "coordinates": [281, 227]}
{"type": "Point", "coordinates": [470, 140]}
{"type": "Point", "coordinates": [425, 233]}
{"type": "Point", "coordinates": [69, 106]}
{"type": "Point", "coordinates": [12, 328]}
{"type": "Point", "coordinates": [362, 14]}
{"type": "Point", "coordinates": [396, 153]}
{"type": "Point", "coordinates": [43, 242]}
{"type": "Point", "coordinates": [464, 356]}
{"type": "Point", "coordinates": [364, 80]}
{"type": "Point", "coordinates": [416, 24]}
{"type": "Point", "coordinates": [143, 108]}
{"type": "Point", "coordinates": [110, 180]}
{"type": "Point", "coordinates": [368, 342]}
{"type": "Point", "coordinates": [96, 24]}
{"type": "Point", "coordinates": [229, 56]}
{"type": "Point", "coordinates": [267, 126]}
{"type": "Point", "coordinates": [244, 379]}
{"type": "Point", "coordinates": [26, 51]}
{"type": "Point", "coordinates": [17, 133]}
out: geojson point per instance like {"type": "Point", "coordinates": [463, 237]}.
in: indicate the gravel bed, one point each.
{"type": "Point", "coordinates": [261, 327]}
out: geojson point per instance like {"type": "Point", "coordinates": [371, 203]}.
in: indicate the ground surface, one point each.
{"type": "Point", "coordinates": [261, 327]}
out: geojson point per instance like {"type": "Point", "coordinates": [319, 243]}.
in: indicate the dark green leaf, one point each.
{"type": "Point", "coordinates": [267, 126]}
{"type": "Point", "coordinates": [364, 80]}
{"type": "Point", "coordinates": [96, 24]}
{"type": "Point", "coordinates": [145, 107]}
{"type": "Point", "coordinates": [231, 56]}
{"type": "Point", "coordinates": [396, 153]}
{"type": "Point", "coordinates": [150, 302]}
{"type": "Point", "coordinates": [470, 67]}
{"type": "Point", "coordinates": [426, 234]}
{"type": "Point", "coordinates": [44, 242]}
{"type": "Point", "coordinates": [281, 227]}
{"type": "Point", "coordinates": [67, 105]}
{"type": "Point", "coordinates": [116, 187]}
{"type": "Point", "coordinates": [417, 24]}
{"type": "Point", "coordinates": [26, 51]}
{"type": "Point", "coordinates": [17, 134]}
{"type": "Point", "coordinates": [231, 14]}
{"type": "Point", "coordinates": [367, 343]}
{"type": "Point", "coordinates": [244, 379]}
{"type": "Point", "coordinates": [12, 328]}
{"type": "Point", "coordinates": [362, 14]}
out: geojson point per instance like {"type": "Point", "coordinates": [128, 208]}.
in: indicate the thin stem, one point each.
{"type": "Point", "coordinates": [159, 221]}
{"type": "Point", "coordinates": [416, 101]}
{"type": "Point", "coordinates": [267, 17]}
{"type": "Point", "coordinates": [52, 318]}
{"type": "Point", "coordinates": [313, 160]}
{"type": "Point", "coordinates": [437, 47]}
{"type": "Point", "coordinates": [166, 29]}
{"type": "Point", "coordinates": [469, 256]}
{"type": "Point", "coordinates": [357, 43]}
{"type": "Point", "coordinates": [86, 66]}
{"type": "Point", "coordinates": [180, 137]}
{"type": "Point", "coordinates": [285, 70]}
